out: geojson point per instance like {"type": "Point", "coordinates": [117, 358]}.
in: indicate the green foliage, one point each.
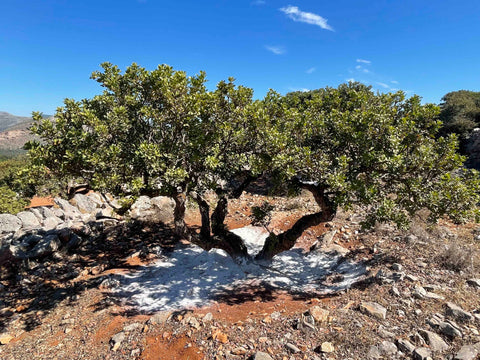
{"type": "Point", "coordinates": [10, 202]}
{"type": "Point", "coordinates": [382, 152]}
{"type": "Point", "coordinates": [261, 215]}
{"type": "Point", "coordinates": [162, 132]}
{"type": "Point", "coordinates": [13, 192]}
{"type": "Point", "coordinates": [460, 113]}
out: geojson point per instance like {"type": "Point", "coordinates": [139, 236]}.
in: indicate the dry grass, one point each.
{"type": "Point", "coordinates": [457, 258]}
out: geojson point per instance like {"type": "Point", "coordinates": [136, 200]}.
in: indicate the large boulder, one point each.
{"type": "Point", "coordinates": [84, 203]}
{"type": "Point", "coordinates": [70, 211]}
{"type": "Point", "coordinates": [28, 219]}
{"type": "Point", "coordinates": [45, 247]}
{"type": "Point", "coordinates": [157, 209]}
{"type": "Point", "coordinates": [51, 222]}
{"type": "Point", "coordinates": [9, 223]}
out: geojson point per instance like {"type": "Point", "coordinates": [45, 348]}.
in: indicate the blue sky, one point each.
{"type": "Point", "coordinates": [49, 48]}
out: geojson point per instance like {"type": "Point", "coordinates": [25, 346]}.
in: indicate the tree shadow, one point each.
{"type": "Point", "coordinates": [33, 288]}
{"type": "Point", "coordinates": [190, 277]}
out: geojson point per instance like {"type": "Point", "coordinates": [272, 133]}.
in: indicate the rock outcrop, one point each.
{"type": "Point", "coordinates": [42, 231]}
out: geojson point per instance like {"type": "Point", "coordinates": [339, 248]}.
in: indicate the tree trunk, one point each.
{"type": "Point", "coordinates": [204, 208]}
{"type": "Point", "coordinates": [219, 215]}
{"type": "Point", "coordinates": [181, 231]}
{"type": "Point", "coordinates": [222, 238]}
{"type": "Point", "coordinates": [275, 244]}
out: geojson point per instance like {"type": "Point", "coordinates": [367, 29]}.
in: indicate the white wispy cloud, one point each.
{"type": "Point", "coordinates": [298, 89]}
{"type": "Point", "coordinates": [311, 70]}
{"type": "Point", "coordinates": [363, 61]}
{"type": "Point", "coordinates": [383, 85]}
{"type": "Point", "coordinates": [362, 69]}
{"type": "Point", "coordinates": [259, 2]}
{"type": "Point", "coordinates": [394, 82]}
{"type": "Point", "coordinates": [350, 80]}
{"type": "Point", "coordinates": [294, 13]}
{"type": "Point", "coordinates": [277, 50]}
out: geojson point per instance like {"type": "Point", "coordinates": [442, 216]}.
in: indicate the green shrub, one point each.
{"type": "Point", "coordinates": [10, 202]}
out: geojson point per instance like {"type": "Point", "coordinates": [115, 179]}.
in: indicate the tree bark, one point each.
{"type": "Point", "coordinates": [181, 231]}
{"type": "Point", "coordinates": [275, 244]}
{"type": "Point", "coordinates": [204, 208]}
{"type": "Point", "coordinates": [219, 215]}
{"type": "Point", "coordinates": [221, 238]}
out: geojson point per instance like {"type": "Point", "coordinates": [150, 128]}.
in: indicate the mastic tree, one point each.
{"type": "Point", "coordinates": [460, 114]}
{"type": "Point", "coordinates": [379, 152]}
{"type": "Point", "coordinates": [159, 132]}
{"type": "Point", "coordinates": [162, 132]}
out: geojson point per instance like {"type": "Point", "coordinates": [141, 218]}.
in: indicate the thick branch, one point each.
{"type": "Point", "coordinates": [237, 192]}
{"type": "Point", "coordinates": [181, 230]}
{"type": "Point", "coordinates": [204, 208]}
{"type": "Point", "coordinates": [219, 215]}
{"type": "Point", "coordinates": [275, 244]}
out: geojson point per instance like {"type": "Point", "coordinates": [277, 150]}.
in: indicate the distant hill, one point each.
{"type": "Point", "coordinates": [14, 133]}
{"type": "Point", "coordinates": [8, 120]}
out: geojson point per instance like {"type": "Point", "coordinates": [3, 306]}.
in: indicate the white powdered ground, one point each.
{"type": "Point", "coordinates": [191, 277]}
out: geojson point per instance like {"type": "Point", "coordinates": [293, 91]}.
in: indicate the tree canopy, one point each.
{"type": "Point", "coordinates": [460, 113]}
{"type": "Point", "coordinates": [162, 132]}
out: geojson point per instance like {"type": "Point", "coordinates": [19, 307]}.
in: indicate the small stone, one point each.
{"type": "Point", "coordinates": [320, 315]}
{"type": "Point", "coordinates": [116, 340]}
{"type": "Point", "coordinates": [159, 318]}
{"type": "Point", "coordinates": [467, 352]}
{"type": "Point", "coordinates": [384, 333]}
{"type": "Point", "coordinates": [450, 329]}
{"type": "Point", "coordinates": [405, 346]}
{"type": "Point", "coordinates": [132, 327]}
{"type": "Point", "coordinates": [67, 321]}
{"type": "Point", "coordinates": [220, 337]}
{"type": "Point", "coordinates": [394, 290]}
{"type": "Point", "coordinates": [387, 347]}
{"type": "Point", "coordinates": [373, 309]}
{"type": "Point", "coordinates": [5, 339]}
{"type": "Point", "coordinates": [68, 330]}
{"type": "Point", "coordinates": [193, 322]}
{"type": "Point", "coordinates": [208, 317]}
{"type": "Point", "coordinates": [435, 342]}
{"type": "Point", "coordinates": [458, 313]}
{"type": "Point", "coordinates": [374, 353]}
{"type": "Point", "coordinates": [474, 283]}
{"type": "Point", "coordinates": [397, 267]}
{"type": "Point", "coordinates": [292, 348]}
{"type": "Point", "coordinates": [239, 351]}
{"type": "Point", "coordinates": [422, 354]}
{"type": "Point", "coordinates": [327, 347]}
{"type": "Point", "coordinates": [431, 295]}
{"type": "Point", "coordinates": [261, 356]}
{"type": "Point", "coordinates": [135, 352]}
{"type": "Point", "coordinates": [411, 278]}
{"type": "Point", "coordinates": [418, 312]}
{"type": "Point", "coordinates": [419, 292]}
{"type": "Point", "coordinates": [276, 315]}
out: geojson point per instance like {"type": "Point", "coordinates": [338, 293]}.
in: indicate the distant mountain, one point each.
{"type": "Point", "coordinates": [8, 120]}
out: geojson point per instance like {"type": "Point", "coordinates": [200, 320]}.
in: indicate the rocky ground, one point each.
{"type": "Point", "coordinates": [420, 298]}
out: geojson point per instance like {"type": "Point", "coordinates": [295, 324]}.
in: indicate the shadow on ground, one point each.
{"type": "Point", "coordinates": [31, 289]}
